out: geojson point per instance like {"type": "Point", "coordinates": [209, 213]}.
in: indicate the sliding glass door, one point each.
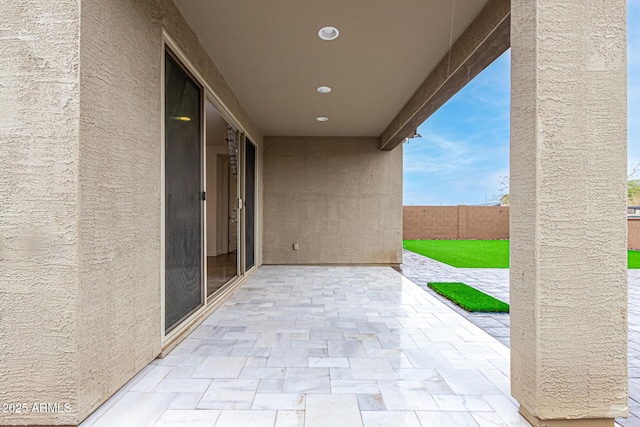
{"type": "Point", "coordinates": [250, 203]}
{"type": "Point", "coordinates": [209, 227]}
{"type": "Point", "coordinates": [183, 194]}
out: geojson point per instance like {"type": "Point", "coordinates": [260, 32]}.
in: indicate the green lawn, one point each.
{"type": "Point", "coordinates": [463, 253]}
{"type": "Point", "coordinates": [634, 259]}
{"type": "Point", "coordinates": [469, 298]}
{"type": "Point", "coordinates": [477, 253]}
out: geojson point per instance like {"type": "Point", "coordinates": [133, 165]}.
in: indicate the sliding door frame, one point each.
{"type": "Point", "coordinates": [207, 94]}
{"type": "Point", "coordinates": [202, 176]}
{"type": "Point", "coordinates": [245, 141]}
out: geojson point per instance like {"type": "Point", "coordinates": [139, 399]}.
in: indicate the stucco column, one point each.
{"type": "Point", "coordinates": [568, 218]}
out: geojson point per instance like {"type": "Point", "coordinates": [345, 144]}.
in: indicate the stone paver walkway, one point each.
{"type": "Point", "coordinates": [324, 346]}
{"type": "Point", "coordinates": [495, 282]}
{"type": "Point", "coordinates": [492, 281]}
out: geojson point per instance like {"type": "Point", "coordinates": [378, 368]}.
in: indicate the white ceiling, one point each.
{"type": "Point", "coordinates": [271, 55]}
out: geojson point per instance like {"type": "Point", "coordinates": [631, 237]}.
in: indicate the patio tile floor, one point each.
{"type": "Point", "coordinates": [495, 282]}
{"type": "Point", "coordinates": [324, 346]}
{"type": "Point", "coordinates": [491, 281]}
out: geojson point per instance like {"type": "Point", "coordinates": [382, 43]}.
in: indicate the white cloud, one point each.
{"type": "Point", "coordinates": [436, 154]}
{"type": "Point", "coordinates": [453, 172]}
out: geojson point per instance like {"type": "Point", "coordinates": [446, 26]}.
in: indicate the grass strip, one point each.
{"type": "Point", "coordinates": [463, 253]}
{"type": "Point", "coordinates": [469, 298]}
{"type": "Point", "coordinates": [478, 253]}
{"type": "Point", "coordinates": [633, 259]}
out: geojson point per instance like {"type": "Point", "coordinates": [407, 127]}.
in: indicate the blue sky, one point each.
{"type": "Point", "coordinates": [464, 149]}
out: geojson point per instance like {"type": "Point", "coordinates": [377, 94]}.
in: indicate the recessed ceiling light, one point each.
{"type": "Point", "coordinates": [322, 119]}
{"type": "Point", "coordinates": [328, 33]}
{"type": "Point", "coordinates": [324, 89]}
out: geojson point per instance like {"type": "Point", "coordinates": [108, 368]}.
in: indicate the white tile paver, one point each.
{"type": "Point", "coordinates": [220, 367]}
{"type": "Point", "coordinates": [151, 380]}
{"type": "Point", "coordinates": [372, 369]}
{"type": "Point", "coordinates": [281, 401]}
{"type": "Point", "coordinates": [290, 419]}
{"type": "Point", "coordinates": [325, 346]}
{"type": "Point", "coordinates": [390, 419]}
{"type": "Point", "coordinates": [325, 410]}
{"type": "Point", "coordinates": [180, 385]}
{"type": "Point", "coordinates": [439, 419]}
{"type": "Point", "coordinates": [229, 394]}
{"type": "Point", "coordinates": [186, 401]}
{"type": "Point", "coordinates": [405, 395]}
{"type": "Point", "coordinates": [246, 418]}
{"type": "Point", "coordinates": [188, 418]}
{"type": "Point", "coordinates": [136, 409]}
{"type": "Point", "coordinates": [306, 380]}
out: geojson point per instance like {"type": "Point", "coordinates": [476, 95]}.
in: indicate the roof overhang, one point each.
{"type": "Point", "coordinates": [393, 64]}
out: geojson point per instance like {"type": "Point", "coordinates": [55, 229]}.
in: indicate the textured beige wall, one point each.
{"type": "Point", "coordinates": [119, 295]}
{"type": "Point", "coordinates": [40, 100]}
{"type": "Point", "coordinates": [260, 238]}
{"type": "Point", "coordinates": [568, 264]}
{"type": "Point", "coordinates": [339, 198]}
{"type": "Point", "coordinates": [80, 226]}
{"type": "Point", "coordinates": [455, 222]}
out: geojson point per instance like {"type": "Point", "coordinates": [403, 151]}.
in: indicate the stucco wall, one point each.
{"type": "Point", "coordinates": [80, 224]}
{"type": "Point", "coordinates": [568, 270]}
{"type": "Point", "coordinates": [119, 294]}
{"type": "Point", "coordinates": [260, 238]}
{"type": "Point", "coordinates": [339, 198]}
{"type": "Point", "coordinates": [39, 95]}
{"type": "Point", "coordinates": [455, 222]}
